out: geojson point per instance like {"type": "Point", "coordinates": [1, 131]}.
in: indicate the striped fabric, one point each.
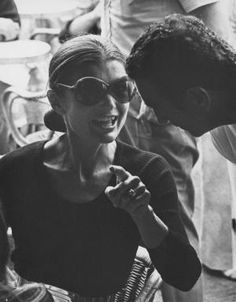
{"type": "Point", "coordinates": [141, 285]}
{"type": "Point", "coordinates": [135, 283]}
{"type": "Point", "coordinates": [32, 292]}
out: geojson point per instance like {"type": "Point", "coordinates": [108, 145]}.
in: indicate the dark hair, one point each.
{"type": "Point", "coordinates": [181, 52]}
{"type": "Point", "coordinates": [77, 51]}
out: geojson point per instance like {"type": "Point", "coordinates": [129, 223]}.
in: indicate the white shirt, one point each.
{"type": "Point", "coordinates": [224, 139]}
{"type": "Point", "coordinates": [124, 20]}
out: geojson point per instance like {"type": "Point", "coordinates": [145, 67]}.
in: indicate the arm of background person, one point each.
{"type": "Point", "coordinates": [9, 20]}
{"type": "Point", "coordinates": [81, 24]}
{"type": "Point", "coordinates": [85, 22]}
{"type": "Point", "coordinates": [9, 10]}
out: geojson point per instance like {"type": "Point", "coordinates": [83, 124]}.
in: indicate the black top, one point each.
{"type": "Point", "coordinates": [89, 248]}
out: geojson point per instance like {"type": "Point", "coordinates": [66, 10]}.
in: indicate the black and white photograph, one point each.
{"type": "Point", "coordinates": [118, 151]}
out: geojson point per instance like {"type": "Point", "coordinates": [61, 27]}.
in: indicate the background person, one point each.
{"type": "Point", "coordinates": [88, 22]}
{"type": "Point", "coordinates": [80, 205]}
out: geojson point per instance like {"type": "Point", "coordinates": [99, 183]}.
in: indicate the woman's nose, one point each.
{"type": "Point", "coordinates": [109, 100]}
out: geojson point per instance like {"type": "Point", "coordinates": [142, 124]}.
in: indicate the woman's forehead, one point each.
{"type": "Point", "coordinates": [108, 70]}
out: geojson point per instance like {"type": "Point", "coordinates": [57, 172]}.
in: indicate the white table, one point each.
{"type": "Point", "coordinates": [23, 51]}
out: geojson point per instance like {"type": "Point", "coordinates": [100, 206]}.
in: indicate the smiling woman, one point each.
{"type": "Point", "coordinates": [80, 205]}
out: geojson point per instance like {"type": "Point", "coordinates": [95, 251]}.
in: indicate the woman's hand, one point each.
{"type": "Point", "coordinates": [129, 194]}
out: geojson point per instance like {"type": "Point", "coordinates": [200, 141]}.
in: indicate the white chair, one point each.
{"type": "Point", "coordinates": [24, 112]}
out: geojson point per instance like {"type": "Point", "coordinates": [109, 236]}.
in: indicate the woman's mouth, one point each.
{"type": "Point", "coordinates": [107, 122]}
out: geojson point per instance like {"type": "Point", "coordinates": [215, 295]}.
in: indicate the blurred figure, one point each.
{"type": "Point", "coordinates": [9, 20]}
{"type": "Point", "coordinates": [88, 22]}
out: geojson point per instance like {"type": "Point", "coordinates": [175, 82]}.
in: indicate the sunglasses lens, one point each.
{"type": "Point", "coordinates": [90, 91]}
{"type": "Point", "coordinates": [123, 91]}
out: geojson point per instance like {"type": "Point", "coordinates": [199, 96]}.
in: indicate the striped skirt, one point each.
{"type": "Point", "coordinates": [141, 285]}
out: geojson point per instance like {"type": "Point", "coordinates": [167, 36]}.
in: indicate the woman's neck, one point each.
{"type": "Point", "coordinates": [83, 159]}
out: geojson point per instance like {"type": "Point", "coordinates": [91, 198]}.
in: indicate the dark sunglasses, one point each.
{"type": "Point", "coordinates": [90, 90]}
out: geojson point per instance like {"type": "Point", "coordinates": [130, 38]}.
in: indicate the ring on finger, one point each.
{"type": "Point", "coordinates": [131, 193]}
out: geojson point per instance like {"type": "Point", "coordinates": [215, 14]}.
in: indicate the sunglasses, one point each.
{"type": "Point", "coordinates": [90, 90]}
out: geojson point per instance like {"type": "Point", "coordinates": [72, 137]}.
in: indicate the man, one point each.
{"type": "Point", "coordinates": [190, 70]}
{"type": "Point", "coordinates": [194, 81]}
{"type": "Point", "coordinates": [123, 21]}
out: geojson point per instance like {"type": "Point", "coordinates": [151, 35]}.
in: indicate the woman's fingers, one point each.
{"type": "Point", "coordinates": [140, 189]}
{"type": "Point", "coordinates": [129, 193]}
{"type": "Point", "coordinates": [135, 205]}
{"type": "Point", "coordinates": [120, 172]}
{"type": "Point", "coordinates": [125, 182]}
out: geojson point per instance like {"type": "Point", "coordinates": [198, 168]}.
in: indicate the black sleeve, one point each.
{"type": "Point", "coordinates": [8, 9]}
{"type": "Point", "coordinates": [175, 259]}
{"type": "Point", "coordinates": [4, 245]}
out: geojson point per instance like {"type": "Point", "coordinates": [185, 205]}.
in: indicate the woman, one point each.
{"type": "Point", "coordinates": [80, 205]}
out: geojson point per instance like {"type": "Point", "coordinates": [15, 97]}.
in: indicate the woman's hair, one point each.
{"type": "Point", "coordinates": [78, 51]}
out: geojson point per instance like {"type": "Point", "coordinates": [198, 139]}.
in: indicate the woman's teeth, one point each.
{"type": "Point", "coordinates": [106, 122]}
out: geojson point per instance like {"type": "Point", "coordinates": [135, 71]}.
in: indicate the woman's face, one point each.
{"type": "Point", "coordinates": [103, 120]}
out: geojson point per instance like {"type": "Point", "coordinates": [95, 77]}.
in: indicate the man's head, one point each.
{"type": "Point", "coordinates": [186, 73]}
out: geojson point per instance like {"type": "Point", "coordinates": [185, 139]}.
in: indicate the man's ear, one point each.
{"type": "Point", "coordinates": [55, 102]}
{"type": "Point", "coordinates": [198, 98]}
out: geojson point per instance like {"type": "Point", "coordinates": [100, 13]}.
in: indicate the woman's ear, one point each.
{"type": "Point", "coordinates": [198, 98]}
{"type": "Point", "coordinates": [55, 102]}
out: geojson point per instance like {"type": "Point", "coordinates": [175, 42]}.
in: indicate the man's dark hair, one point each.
{"type": "Point", "coordinates": [181, 52]}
